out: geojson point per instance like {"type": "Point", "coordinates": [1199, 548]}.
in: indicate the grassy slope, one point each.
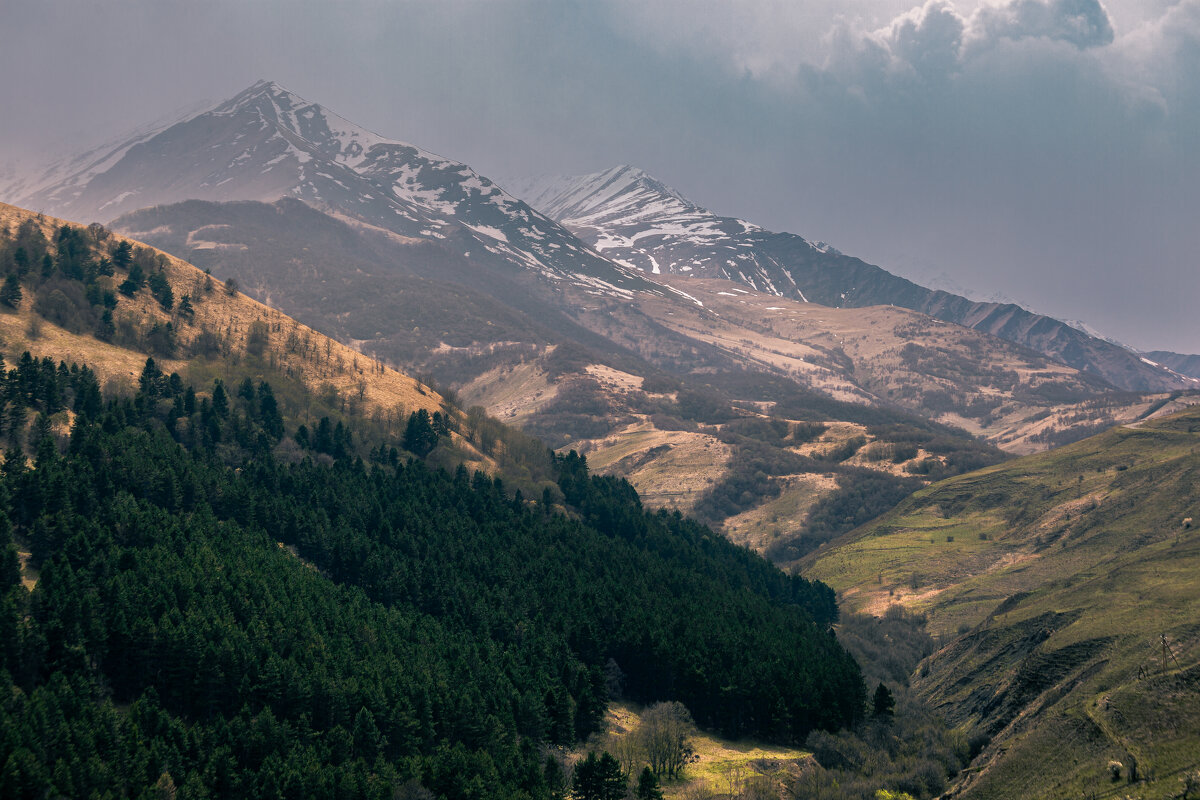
{"type": "Point", "coordinates": [419, 304]}
{"type": "Point", "coordinates": [310, 357]}
{"type": "Point", "coordinates": [721, 767]}
{"type": "Point", "coordinates": [1052, 577]}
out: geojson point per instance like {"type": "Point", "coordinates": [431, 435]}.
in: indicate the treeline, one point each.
{"type": "Point", "coordinates": [211, 620]}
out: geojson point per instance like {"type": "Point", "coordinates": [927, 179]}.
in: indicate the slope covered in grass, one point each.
{"type": "Point", "coordinates": [1055, 580]}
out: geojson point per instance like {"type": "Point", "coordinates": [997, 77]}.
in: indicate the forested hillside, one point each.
{"type": "Point", "coordinates": [320, 629]}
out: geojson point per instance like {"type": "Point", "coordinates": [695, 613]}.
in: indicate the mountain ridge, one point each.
{"type": "Point", "coordinates": [637, 220]}
{"type": "Point", "coordinates": [618, 225]}
{"type": "Point", "coordinates": [267, 142]}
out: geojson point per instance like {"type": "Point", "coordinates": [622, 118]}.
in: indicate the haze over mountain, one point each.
{"type": "Point", "coordinates": [636, 220]}
{"type": "Point", "coordinates": [1035, 149]}
{"type": "Point", "coordinates": [459, 276]}
{"type": "Point", "coordinates": [267, 142]}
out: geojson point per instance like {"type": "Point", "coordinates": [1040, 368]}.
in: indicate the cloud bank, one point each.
{"type": "Point", "coordinates": [1048, 150]}
{"type": "Point", "coordinates": [1035, 148]}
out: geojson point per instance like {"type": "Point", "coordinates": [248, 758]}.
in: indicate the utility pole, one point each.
{"type": "Point", "coordinates": [1166, 650]}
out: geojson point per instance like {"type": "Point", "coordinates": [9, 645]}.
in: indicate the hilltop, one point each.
{"type": "Point", "coordinates": [224, 322]}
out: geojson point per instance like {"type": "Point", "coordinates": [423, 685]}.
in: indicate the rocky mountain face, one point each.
{"type": "Point", "coordinates": [616, 226]}
{"type": "Point", "coordinates": [268, 143]}
{"type": "Point", "coordinates": [635, 220]}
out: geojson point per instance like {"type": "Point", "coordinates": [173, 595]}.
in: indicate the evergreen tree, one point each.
{"type": "Point", "coordinates": [419, 436]}
{"type": "Point", "coordinates": [369, 742]}
{"type": "Point", "coordinates": [106, 328]}
{"type": "Point", "coordinates": [220, 399]}
{"type": "Point", "coordinates": [647, 787]}
{"type": "Point", "coordinates": [884, 703]}
{"type": "Point", "coordinates": [598, 778]}
{"type": "Point", "coordinates": [152, 381]}
{"type": "Point", "coordinates": [10, 292]}
{"type": "Point", "coordinates": [21, 260]}
{"type": "Point", "coordinates": [160, 287]}
{"type": "Point", "coordinates": [122, 255]}
{"type": "Point", "coordinates": [135, 281]}
{"type": "Point", "coordinates": [323, 441]}
{"type": "Point", "coordinates": [268, 411]}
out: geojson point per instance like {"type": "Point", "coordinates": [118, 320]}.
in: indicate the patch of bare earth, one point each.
{"type": "Point", "coordinates": [29, 575]}
{"type": "Point", "coordinates": [510, 393]}
{"type": "Point", "coordinates": [670, 469]}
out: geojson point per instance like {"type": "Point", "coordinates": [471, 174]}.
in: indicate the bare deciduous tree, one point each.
{"type": "Point", "coordinates": [663, 735]}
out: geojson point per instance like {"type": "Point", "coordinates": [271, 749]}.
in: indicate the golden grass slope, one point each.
{"type": "Point", "coordinates": [299, 352]}
{"type": "Point", "coordinates": [721, 768]}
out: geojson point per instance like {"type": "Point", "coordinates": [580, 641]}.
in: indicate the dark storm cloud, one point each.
{"type": "Point", "coordinates": [1047, 149]}
{"type": "Point", "coordinates": [1022, 148]}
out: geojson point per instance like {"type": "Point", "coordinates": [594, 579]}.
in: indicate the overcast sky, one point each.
{"type": "Point", "coordinates": [1044, 150]}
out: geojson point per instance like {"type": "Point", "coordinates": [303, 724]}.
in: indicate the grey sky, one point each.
{"type": "Point", "coordinates": [1048, 150]}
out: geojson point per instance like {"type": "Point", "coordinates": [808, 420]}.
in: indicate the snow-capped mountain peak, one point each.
{"type": "Point", "coordinates": [268, 142]}
{"type": "Point", "coordinates": [637, 220]}
{"type": "Point", "coordinates": [623, 192]}
{"type": "Point", "coordinates": [335, 137]}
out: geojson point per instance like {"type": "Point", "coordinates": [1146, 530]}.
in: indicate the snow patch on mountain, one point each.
{"type": "Point", "coordinates": [1083, 327]}
{"type": "Point", "coordinates": [634, 219]}
{"type": "Point", "coordinates": [266, 143]}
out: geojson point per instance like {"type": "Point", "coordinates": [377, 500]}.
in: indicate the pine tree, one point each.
{"type": "Point", "coordinates": [135, 281]}
{"type": "Point", "coordinates": [185, 307]}
{"type": "Point", "coordinates": [10, 292]}
{"type": "Point", "coordinates": [419, 436]}
{"type": "Point", "coordinates": [220, 400]}
{"type": "Point", "coordinates": [647, 788]}
{"type": "Point", "coordinates": [598, 779]}
{"type": "Point", "coordinates": [122, 255]}
{"type": "Point", "coordinates": [160, 287]}
{"type": "Point", "coordinates": [884, 703]}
